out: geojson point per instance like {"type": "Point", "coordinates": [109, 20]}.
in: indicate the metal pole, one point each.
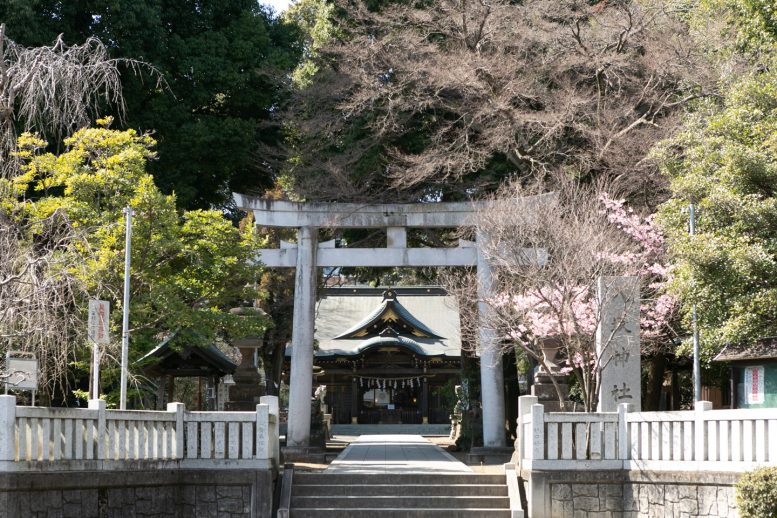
{"type": "Point", "coordinates": [696, 364]}
{"type": "Point", "coordinates": [125, 309]}
{"type": "Point", "coordinates": [95, 370]}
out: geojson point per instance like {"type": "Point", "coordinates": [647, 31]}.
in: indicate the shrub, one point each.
{"type": "Point", "coordinates": [757, 493]}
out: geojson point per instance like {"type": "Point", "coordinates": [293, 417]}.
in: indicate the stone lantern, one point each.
{"type": "Point", "coordinates": [543, 386]}
{"type": "Point", "coordinates": [246, 390]}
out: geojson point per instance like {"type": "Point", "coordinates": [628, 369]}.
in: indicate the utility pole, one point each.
{"type": "Point", "coordinates": [125, 308]}
{"type": "Point", "coordinates": [696, 364]}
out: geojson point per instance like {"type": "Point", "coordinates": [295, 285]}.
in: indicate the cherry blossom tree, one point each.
{"type": "Point", "coordinates": [585, 234]}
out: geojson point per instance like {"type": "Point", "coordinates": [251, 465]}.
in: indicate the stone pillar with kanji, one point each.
{"type": "Point", "coordinates": [617, 343]}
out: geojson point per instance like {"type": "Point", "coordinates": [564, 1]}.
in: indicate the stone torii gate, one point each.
{"type": "Point", "coordinates": [308, 254]}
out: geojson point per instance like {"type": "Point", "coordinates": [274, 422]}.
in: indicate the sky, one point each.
{"type": "Point", "coordinates": [278, 5]}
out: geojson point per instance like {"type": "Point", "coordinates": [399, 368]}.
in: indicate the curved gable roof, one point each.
{"type": "Point", "coordinates": [389, 313]}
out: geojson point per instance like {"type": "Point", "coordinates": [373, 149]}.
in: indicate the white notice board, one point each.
{"type": "Point", "coordinates": [754, 385]}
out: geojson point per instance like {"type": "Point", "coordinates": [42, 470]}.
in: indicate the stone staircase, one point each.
{"type": "Point", "coordinates": [351, 495]}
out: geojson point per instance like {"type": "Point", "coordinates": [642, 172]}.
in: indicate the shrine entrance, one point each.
{"type": "Point", "coordinates": [387, 355]}
{"type": "Point", "coordinates": [307, 254]}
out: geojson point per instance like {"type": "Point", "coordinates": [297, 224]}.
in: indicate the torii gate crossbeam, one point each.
{"type": "Point", "coordinates": [307, 255]}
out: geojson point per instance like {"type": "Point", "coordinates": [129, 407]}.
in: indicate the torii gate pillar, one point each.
{"type": "Point", "coordinates": [304, 317]}
{"type": "Point", "coordinates": [491, 374]}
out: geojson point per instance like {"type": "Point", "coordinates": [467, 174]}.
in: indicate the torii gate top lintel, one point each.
{"type": "Point", "coordinates": [281, 213]}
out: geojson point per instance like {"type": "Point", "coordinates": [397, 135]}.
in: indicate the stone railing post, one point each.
{"type": "Point", "coordinates": [7, 424]}
{"type": "Point", "coordinates": [524, 408]}
{"type": "Point", "coordinates": [623, 432]}
{"type": "Point", "coordinates": [700, 431]}
{"type": "Point", "coordinates": [537, 432]}
{"type": "Point", "coordinates": [275, 427]}
{"type": "Point", "coordinates": [99, 405]}
{"type": "Point", "coordinates": [178, 409]}
{"type": "Point", "coordinates": [262, 431]}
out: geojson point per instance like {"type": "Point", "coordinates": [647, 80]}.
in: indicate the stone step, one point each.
{"type": "Point", "coordinates": [323, 478]}
{"type": "Point", "coordinates": [400, 513]}
{"type": "Point", "coordinates": [400, 489]}
{"type": "Point", "coordinates": [355, 430]}
{"type": "Point", "coordinates": [396, 501]}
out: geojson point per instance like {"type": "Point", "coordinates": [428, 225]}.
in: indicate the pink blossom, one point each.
{"type": "Point", "coordinates": [571, 311]}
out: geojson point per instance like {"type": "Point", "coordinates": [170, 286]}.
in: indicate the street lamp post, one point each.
{"type": "Point", "coordinates": [125, 308]}
{"type": "Point", "coordinates": [695, 329]}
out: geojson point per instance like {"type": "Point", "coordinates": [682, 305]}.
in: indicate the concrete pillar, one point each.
{"type": "Point", "coordinates": [7, 425]}
{"type": "Point", "coordinates": [272, 403]}
{"type": "Point", "coordinates": [491, 375]}
{"type": "Point", "coordinates": [301, 379]}
{"type": "Point", "coordinates": [525, 404]}
{"type": "Point", "coordinates": [100, 406]}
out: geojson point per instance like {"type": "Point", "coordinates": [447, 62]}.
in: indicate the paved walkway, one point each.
{"type": "Point", "coordinates": [395, 454]}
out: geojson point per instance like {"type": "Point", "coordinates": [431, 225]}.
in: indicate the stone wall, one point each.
{"type": "Point", "coordinates": [168, 494]}
{"type": "Point", "coordinates": [611, 494]}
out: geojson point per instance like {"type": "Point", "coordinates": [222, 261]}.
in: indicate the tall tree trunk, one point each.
{"type": "Point", "coordinates": [274, 368]}
{"type": "Point", "coordinates": [655, 382]}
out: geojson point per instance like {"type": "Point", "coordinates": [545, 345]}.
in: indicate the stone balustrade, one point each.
{"type": "Point", "coordinates": [700, 439]}
{"type": "Point", "coordinates": [640, 463]}
{"type": "Point", "coordinates": [96, 438]}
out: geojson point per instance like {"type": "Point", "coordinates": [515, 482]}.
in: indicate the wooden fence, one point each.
{"type": "Point", "coordinates": [700, 439]}
{"type": "Point", "coordinates": [33, 438]}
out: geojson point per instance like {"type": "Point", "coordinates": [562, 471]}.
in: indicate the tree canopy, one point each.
{"type": "Point", "coordinates": [725, 162]}
{"type": "Point", "coordinates": [445, 99]}
{"type": "Point", "coordinates": [225, 63]}
{"type": "Point", "coordinates": [188, 269]}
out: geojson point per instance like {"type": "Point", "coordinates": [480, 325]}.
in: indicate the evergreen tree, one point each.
{"type": "Point", "coordinates": [188, 269]}
{"type": "Point", "coordinates": [725, 162]}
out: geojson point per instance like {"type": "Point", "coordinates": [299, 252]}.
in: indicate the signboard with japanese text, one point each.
{"type": "Point", "coordinates": [754, 385]}
{"type": "Point", "coordinates": [99, 311]}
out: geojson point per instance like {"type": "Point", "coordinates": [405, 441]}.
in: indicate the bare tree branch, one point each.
{"type": "Point", "coordinates": [55, 89]}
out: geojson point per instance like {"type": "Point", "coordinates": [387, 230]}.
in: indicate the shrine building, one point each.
{"type": "Point", "coordinates": [386, 354]}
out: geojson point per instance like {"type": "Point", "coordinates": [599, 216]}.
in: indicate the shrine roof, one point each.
{"type": "Point", "coordinates": [388, 341]}
{"type": "Point", "coordinates": [762, 349]}
{"type": "Point", "coordinates": [389, 312]}
{"type": "Point", "coordinates": [424, 320]}
{"type": "Point", "coordinates": [176, 356]}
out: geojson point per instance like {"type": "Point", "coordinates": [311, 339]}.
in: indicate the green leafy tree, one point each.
{"type": "Point", "coordinates": [188, 269]}
{"type": "Point", "coordinates": [226, 64]}
{"type": "Point", "coordinates": [315, 20]}
{"type": "Point", "coordinates": [738, 30]}
{"type": "Point", "coordinates": [725, 164]}
{"type": "Point", "coordinates": [724, 161]}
